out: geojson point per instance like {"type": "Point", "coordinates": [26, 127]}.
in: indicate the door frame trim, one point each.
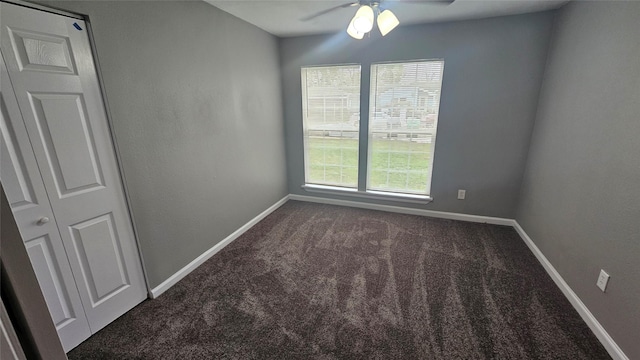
{"type": "Point", "coordinates": [47, 8]}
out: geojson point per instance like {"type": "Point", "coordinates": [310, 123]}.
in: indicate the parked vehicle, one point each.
{"type": "Point", "coordinates": [379, 121]}
{"type": "Point", "coordinates": [342, 130]}
{"type": "Point", "coordinates": [382, 121]}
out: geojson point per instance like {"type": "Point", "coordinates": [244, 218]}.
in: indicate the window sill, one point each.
{"type": "Point", "coordinates": [369, 194]}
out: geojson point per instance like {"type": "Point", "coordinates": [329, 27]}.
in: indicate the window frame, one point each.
{"type": "Point", "coordinates": [305, 130]}
{"type": "Point", "coordinates": [372, 108]}
{"type": "Point", "coordinates": [364, 149]}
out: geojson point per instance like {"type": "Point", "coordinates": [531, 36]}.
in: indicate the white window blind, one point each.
{"type": "Point", "coordinates": [331, 118]}
{"type": "Point", "coordinates": [403, 119]}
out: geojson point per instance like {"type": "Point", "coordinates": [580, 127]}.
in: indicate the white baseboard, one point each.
{"type": "Point", "coordinates": [165, 285]}
{"type": "Point", "coordinates": [403, 210]}
{"type": "Point", "coordinates": [602, 335]}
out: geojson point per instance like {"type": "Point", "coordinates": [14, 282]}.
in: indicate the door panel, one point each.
{"type": "Point", "coordinates": [99, 251]}
{"type": "Point", "coordinates": [41, 52]}
{"type": "Point", "coordinates": [18, 186]}
{"type": "Point", "coordinates": [26, 193]}
{"type": "Point", "coordinates": [51, 67]}
{"type": "Point", "coordinates": [68, 145]}
{"type": "Point", "coordinates": [47, 270]}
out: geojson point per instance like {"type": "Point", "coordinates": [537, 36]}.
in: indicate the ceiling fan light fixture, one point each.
{"type": "Point", "coordinates": [387, 21]}
{"type": "Point", "coordinates": [363, 20]}
{"type": "Point", "coordinates": [351, 30]}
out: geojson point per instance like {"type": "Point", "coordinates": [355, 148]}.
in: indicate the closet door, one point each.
{"type": "Point", "coordinates": [25, 191]}
{"type": "Point", "coordinates": [51, 68]}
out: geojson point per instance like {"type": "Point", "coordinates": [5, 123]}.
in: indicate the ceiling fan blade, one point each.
{"type": "Point", "coordinates": [307, 18]}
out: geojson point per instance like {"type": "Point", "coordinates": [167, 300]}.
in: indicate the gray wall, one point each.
{"type": "Point", "coordinates": [492, 76]}
{"type": "Point", "coordinates": [195, 99]}
{"type": "Point", "coordinates": [580, 200]}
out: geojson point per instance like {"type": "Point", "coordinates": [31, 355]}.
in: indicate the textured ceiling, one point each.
{"type": "Point", "coordinates": [282, 17]}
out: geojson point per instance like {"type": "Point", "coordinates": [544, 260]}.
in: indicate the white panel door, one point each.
{"type": "Point", "coordinates": [25, 191]}
{"type": "Point", "coordinates": [54, 77]}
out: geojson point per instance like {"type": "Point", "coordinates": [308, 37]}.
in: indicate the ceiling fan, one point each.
{"type": "Point", "coordinates": [363, 20]}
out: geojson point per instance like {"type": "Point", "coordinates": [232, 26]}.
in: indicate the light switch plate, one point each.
{"type": "Point", "coordinates": [603, 279]}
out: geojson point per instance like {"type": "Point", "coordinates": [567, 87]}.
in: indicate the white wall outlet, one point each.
{"type": "Point", "coordinates": [462, 194]}
{"type": "Point", "coordinates": [603, 279]}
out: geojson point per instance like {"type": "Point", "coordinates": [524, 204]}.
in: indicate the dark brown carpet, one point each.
{"type": "Point", "coordinates": [325, 282]}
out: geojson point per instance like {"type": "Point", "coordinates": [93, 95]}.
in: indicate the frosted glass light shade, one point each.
{"type": "Point", "coordinates": [387, 21]}
{"type": "Point", "coordinates": [351, 30]}
{"type": "Point", "coordinates": [363, 20]}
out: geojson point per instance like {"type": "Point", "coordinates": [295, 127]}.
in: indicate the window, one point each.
{"type": "Point", "coordinates": [331, 120]}
{"type": "Point", "coordinates": [400, 124]}
{"type": "Point", "coordinates": [403, 119]}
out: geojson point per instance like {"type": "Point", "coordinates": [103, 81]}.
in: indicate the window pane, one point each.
{"type": "Point", "coordinates": [403, 119]}
{"type": "Point", "coordinates": [331, 119]}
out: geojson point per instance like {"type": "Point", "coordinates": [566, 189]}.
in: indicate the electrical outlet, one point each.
{"type": "Point", "coordinates": [603, 279]}
{"type": "Point", "coordinates": [462, 194]}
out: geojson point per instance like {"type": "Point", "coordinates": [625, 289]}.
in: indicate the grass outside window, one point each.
{"type": "Point", "coordinates": [396, 163]}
